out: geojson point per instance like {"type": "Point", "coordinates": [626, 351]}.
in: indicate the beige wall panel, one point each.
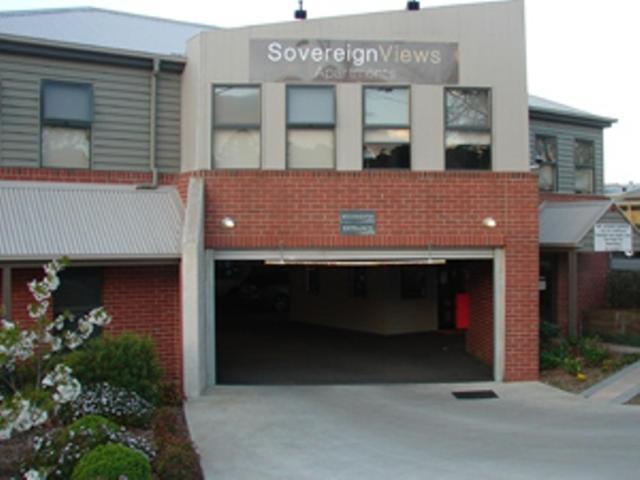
{"type": "Point", "coordinates": [491, 44]}
{"type": "Point", "coordinates": [349, 127]}
{"type": "Point", "coordinates": [427, 123]}
{"type": "Point", "coordinates": [274, 126]}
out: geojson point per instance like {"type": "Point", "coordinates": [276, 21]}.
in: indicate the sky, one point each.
{"type": "Point", "coordinates": [582, 53]}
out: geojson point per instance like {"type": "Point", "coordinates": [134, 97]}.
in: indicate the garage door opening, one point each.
{"type": "Point", "coordinates": [320, 324]}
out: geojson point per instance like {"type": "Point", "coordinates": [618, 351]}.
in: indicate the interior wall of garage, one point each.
{"type": "Point", "coordinates": [382, 311]}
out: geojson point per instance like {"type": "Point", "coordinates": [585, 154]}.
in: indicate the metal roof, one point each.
{"type": "Point", "coordinates": [545, 106]}
{"type": "Point", "coordinates": [41, 220]}
{"type": "Point", "coordinates": [565, 224]}
{"type": "Point", "coordinates": [102, 28]}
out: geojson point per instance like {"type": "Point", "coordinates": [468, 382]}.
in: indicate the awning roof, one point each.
{"type": "Point", "coordinates": [41, 220]}
{"type": "Point", "coordinates": [565, 224]}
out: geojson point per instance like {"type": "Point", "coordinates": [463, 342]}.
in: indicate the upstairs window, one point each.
{"type": "Point", "coordinates": [546, 157]}
{"type": "Point", "coordinates": [584, 160]}
{"type": "Point", "coordinates": [468, 129]}
{"type": "Point", "coordinates": [386, 128]}
{"type": "Point", "coordinates": [67, 114]}
{"type": "Point", "coordinates": [311, 120]}
{"type": "Point", "coordinates": [236, 127]}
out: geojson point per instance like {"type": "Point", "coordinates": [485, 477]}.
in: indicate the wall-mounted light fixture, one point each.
{"type": "Point", "coordinates": [228, 222]}
{"type": "Point", "coordinates": [413, 5]}
{"type": "Point", "coordinates": [490, 222]}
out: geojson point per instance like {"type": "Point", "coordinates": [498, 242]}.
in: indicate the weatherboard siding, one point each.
{"type": "Point", "coordinates": [120, 130]}
{"type": "Point", "coordinates": [566, 134]}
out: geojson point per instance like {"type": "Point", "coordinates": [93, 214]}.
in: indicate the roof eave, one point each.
{"type": "Point", "coordinates": [19, 45]}
{"type": "Point", "coordinates": [580, 120]}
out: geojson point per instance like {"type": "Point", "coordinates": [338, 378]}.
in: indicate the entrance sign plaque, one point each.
{"type": "Point", "coordinates": [612, 237]}
{"type": "Point", "coordinates": [357, 222]}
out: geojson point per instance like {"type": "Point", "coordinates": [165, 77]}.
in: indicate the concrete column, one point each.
{"type": "Point", "coordinates": [427, 125]}
{"type": "Point", "coordinates": [499, 321]}
{"type": "Point", "coordinates": [6, 292]}
{"type": "Point", "coordinates": [193, 294]}
{"type": "Point", "coordinates": [348, 127]}
{"type": "Point", "coordinates": [274, 131]}
{"type": "Point", "coordinates": [573, 292]}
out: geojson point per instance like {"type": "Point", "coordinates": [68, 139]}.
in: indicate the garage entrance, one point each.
{"type": "Point", "coordinates": [327, 323]}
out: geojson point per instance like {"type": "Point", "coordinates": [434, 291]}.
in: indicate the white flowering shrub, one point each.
{"type": "Point", "coordinates": [118, 404]}
{"type": "Point", "coordinates": [24, 398]}
{"type": "Point", "coordinates": [57, 452]}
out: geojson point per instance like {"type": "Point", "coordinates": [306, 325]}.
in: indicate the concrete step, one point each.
{"type": "Point", "coordinates": [618, 388]}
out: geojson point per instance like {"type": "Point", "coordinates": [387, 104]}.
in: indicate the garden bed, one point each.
{"type": "Point", "coordinates": [559, 378]}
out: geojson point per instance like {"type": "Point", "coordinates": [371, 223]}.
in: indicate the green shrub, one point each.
{"type": "Point", "coordinates": [631, 339]}
{"type": "Point", "coordinates": [549, 360]}
{"type": "Point", "coordinates": [112, 462]}
{"type": "Point", "coordinates": [592, 351]}
{"type": "Point", "coordinates": [128, 361]}
{"type": "Point", "coordinates": [548, 331]}
{"type": "Point", "coordinates": [118, 404]}
{"type": "Point", "coordinates": [623, 289]}
{"type": "Point", "coordinates": [58, 451]}
{"type": "Point", "coordinates": [572, 365]}
{"type": "Point", "coordinates": [177, 460]}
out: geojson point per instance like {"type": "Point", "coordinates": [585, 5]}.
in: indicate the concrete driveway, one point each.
{"type": "Point", "coordinates": [412, 432]}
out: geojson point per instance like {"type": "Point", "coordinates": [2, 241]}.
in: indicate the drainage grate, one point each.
{"type": "Point", "coordinates": [475, 394]}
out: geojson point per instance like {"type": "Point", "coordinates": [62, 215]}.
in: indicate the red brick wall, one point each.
{"type": "Point", "coordinates": [479, 338]}
{"type": "Point", "coordinates": [294, 209]}
{"type": "Point", "coordinates": [593, 270]}
{"type": "Point", "coordinates": [82, 176]}
{"type": "Point", "coordinates": [144, 299]}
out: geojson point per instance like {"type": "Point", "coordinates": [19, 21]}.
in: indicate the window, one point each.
{"type": "Point", "coordinates": [546, 156]}
{"type": "Point", "coordinates": [584, 160]}
{"type": "Point", "coordinates": [80, 291]}
{"type": "Point", "coordinates": [67, 113]}
{"type": "Point", "coordinates": [386, 128]}
{"type": "Point", "coordinates": [236, 127]}
{"type": "Point", "coordinates": [468, 129]}
{"type": "Point", "coordinates": [311, 119]}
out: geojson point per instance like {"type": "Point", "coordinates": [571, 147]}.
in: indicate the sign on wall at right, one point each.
{"type": "Point", "coordinates": [612, 237]}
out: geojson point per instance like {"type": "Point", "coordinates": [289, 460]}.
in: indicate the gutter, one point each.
{"type": "Point", "coordinates": [153, 87]}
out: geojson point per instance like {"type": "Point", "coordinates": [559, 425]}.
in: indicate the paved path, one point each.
{"type": "Point", "coordinates": [619, 388]}
{"type": "Point", "coordinates": [382, 432]}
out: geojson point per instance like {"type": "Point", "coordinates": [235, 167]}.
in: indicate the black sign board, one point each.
{"type": "Point", "coordinates": [357, 222]}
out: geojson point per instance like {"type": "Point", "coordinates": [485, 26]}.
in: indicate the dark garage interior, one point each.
{"type": "Point", "coordinates": [294, 324]}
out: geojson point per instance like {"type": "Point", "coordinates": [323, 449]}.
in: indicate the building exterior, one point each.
{"type": "Point", "coordinates": [380, 161]}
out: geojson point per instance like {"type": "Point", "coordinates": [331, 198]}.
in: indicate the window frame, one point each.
{"type": "Point", "coordinates": [488, 130]}
{"type": "Point", "coordinates": [310, 126]}
{"type": "Point", "coordinates": [86, 125]}
{"type": "Point", "coordinates": [234, 126]}
{"type": "Point", "coordinates": [591, 168]}
{"type": "Point", "coordinates": [389, 126]}
{"type": "Point", "coordinates": [541, 163]}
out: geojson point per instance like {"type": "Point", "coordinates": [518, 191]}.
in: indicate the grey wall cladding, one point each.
{"type": "Point", "coordinates": [120, 131]}
{"type": "Point", "coordinates": [566, 134]}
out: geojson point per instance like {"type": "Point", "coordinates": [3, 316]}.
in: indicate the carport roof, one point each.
{"type": "Point", "coordinates": [42, 220]}
{"type": "Point", "coordinates": [565, 224]}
